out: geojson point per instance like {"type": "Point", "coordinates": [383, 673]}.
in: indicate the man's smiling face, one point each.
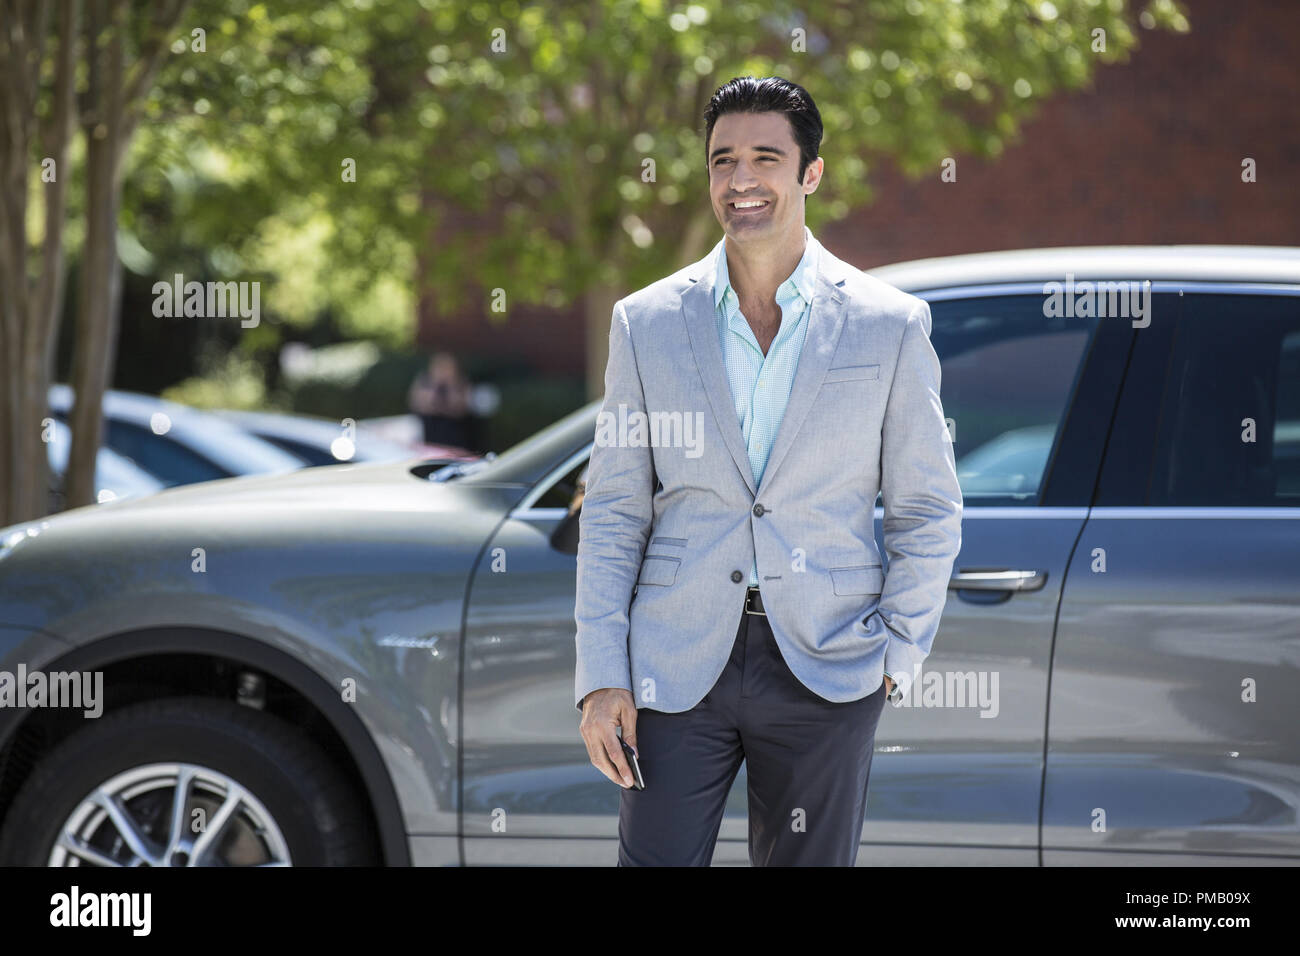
{"type": "Point", "coordinates": [753, 158]}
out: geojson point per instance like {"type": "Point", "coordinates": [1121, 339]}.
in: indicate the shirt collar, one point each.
{"type": "Point", "coordinates": [804, 276]}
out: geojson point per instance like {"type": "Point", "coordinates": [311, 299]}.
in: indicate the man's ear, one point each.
{"type": "Point", "coordinates": [814, 173]}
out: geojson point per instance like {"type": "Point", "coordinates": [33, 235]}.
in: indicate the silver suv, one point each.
{"type": "Point", "coordinates": [374, 663]}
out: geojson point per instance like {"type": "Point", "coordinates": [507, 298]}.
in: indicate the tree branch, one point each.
{"type": "Point", "coordinates": [153, 52]}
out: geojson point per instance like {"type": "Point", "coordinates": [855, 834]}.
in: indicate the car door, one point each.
{"type": "Point", "coordinates": [1175, 726]}
{"type": "Point", "coordinates": [957, 772]}
{"type": "Point", "coordinates": [529, 791]}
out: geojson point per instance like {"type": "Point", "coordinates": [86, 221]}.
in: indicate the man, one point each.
{"type": "Point", "coordinates": [441, 395]}
{"type": "Point", "coordinates": [731, 603]}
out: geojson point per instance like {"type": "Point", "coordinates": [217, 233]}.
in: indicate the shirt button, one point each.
{"type": "Point", "coordinates": [758, 510]}
{"type": "Point", "coordinates": [736, 576]}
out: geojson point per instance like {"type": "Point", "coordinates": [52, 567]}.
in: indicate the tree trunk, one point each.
{"type": "Point", "coordinates": [598, 303]}
{"type": "Point", "coordinates": [700, 235]}
{"type": "Point", "coordinates": [98, 315]}
{"type": "Point", "coordinates": [29, 310]}
{"type": "Point", "coordinates": [114, 100]}
{"type": "Point", "coordinates": [98, 301]}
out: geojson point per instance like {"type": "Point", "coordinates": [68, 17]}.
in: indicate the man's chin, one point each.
{"type": "Point", "coordinates": [739, 225]}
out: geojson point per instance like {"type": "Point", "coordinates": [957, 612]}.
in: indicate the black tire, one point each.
{"type": "Point", "coordinates": [318, 813]}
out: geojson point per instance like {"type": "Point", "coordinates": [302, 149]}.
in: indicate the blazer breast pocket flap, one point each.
{"type": "Point", "coordinates": [860, 580]}
{"type": "Point", "coordinates": [851, 373]}
{"type": "Point", "coordinates": [658, 569]}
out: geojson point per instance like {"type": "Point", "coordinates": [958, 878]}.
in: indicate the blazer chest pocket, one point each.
{"type": "Point", "coordinates": [864, 579]}
{"type": "Point", "coordinates": [852, 373]}
{"type": "Point", "coordinates": [658, 569]}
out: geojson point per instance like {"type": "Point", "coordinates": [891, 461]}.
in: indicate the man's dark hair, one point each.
{"type": "Point", "coordinates": [771, 94]}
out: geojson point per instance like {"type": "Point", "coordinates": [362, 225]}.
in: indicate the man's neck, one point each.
{"type": "Point", "coordinates": [757, 271]}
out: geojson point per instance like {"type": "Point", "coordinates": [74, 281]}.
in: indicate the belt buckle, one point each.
{"type": "Point", "coordinates": [750, 593]}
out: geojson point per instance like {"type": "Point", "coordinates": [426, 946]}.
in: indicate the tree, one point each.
{"type": "Point", "coordinates": [572, 144]}
{"type": "Point", "coordinates": [554, 154]}
{"type": "Point", "coordinates": [31, 298]}
{"type": "Point", "coordinates": [526, 151]}
{"type": "Point", "coordinates": [116, 48]}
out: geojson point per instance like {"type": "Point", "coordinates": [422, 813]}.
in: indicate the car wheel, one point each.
{"type": "Point", "coordinates": [255, 793]}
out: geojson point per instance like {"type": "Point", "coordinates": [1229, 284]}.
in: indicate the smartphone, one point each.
{"type": "Point", "coordinates": [638, 782]}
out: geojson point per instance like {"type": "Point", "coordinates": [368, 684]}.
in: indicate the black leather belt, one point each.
{"type": "Point", "coordinates": [754, 601]}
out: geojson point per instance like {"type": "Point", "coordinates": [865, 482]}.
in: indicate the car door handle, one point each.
{"type": "Point", "coordinates": [997, 581]}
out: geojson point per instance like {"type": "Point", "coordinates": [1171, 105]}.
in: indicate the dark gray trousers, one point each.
{"type": "Point", "coordinates": [807, 761]}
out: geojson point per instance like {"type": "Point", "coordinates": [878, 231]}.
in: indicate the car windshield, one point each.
{"type": "Point", "coordinates": [538, 443]}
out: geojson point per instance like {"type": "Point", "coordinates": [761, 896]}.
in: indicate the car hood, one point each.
{"type": "Point", "coordinates": [373, 487]}
{"type": "Point", "coordinates": [63, 573]}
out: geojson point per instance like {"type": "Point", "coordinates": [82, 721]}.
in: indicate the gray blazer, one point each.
{"type": "Point", "coordinates": [671, 519]}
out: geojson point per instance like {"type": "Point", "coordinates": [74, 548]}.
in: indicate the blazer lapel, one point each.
{"type": "Point", "coordinates": [700, 315]}
{"type": "Point", "coordinates": [825, 322]}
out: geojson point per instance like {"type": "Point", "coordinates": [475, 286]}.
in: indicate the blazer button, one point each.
{"type": "Point", "coordinates": [736, 576]}
{"type": "Point", "coordinates": [758, 510]}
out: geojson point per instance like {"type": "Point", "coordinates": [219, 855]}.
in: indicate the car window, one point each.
{"type": "Point", "coordinates": [1229, 422]}
{"type": "Point", "coordinates": [228, 447]}
{"type": "Point", "coordinates": [171, 463]}
{"type": "Point", "coordinates": [310, 454]}
{"type": "Point", "coordinates": [1009, 371]}
{"type": "Point", "coordinates": [563, 492]}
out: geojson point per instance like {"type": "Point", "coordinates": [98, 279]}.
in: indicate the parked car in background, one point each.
{"type": "Point", "coordinates": [405, 430]}
{"type": "Point", "coordinates": [115, 477]}
{"type": "Point", "coordinates": [177, 444]}
{"type": "Point", "coordinates": [323, 441]}
{"type": "Point", "coordinates": [1122, 631]}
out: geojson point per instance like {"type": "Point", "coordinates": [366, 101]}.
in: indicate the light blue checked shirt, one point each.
{"type": "Point", "coordinates": [760, 385]}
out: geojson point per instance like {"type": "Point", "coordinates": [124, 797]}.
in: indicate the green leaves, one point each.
{"type": "Point", "coordinates": [507, 144]}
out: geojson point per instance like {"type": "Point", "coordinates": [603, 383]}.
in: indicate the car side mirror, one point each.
{"type": "Point", "coordinates": [565, 536]}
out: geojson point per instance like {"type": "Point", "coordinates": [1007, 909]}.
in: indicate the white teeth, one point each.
{"type": "Point", "coordinates": [747, 205]}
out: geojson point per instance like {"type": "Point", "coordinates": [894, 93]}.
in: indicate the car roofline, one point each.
{"type": "Point", "coordinates": [1171, 263]}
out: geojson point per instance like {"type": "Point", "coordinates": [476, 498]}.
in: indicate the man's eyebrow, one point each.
{"type": "Point", "coordinates": [758, 149]}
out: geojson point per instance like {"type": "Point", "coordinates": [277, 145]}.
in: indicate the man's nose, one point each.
{"type": "Point", "coordinates": [742, 177]}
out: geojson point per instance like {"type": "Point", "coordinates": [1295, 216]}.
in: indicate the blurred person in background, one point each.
{"type": "Point", "coordinates": [441, 396]}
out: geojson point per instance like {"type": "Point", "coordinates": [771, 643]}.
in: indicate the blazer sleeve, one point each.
{"type": "Point", "coordinates": [922, 504]}
{"type": "Point", "coordinates": [614, 526]}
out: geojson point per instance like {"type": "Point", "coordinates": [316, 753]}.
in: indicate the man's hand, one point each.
{"type": "Point", "coordinates": [889, 689]}
{"type": "Point", "coordinates": [602, 711]}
